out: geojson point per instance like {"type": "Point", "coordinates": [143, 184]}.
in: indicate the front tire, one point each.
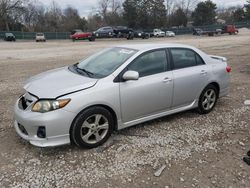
{"type": "Point", "coordinates": [208, 99]}
{"type": "Point", "coordinates": [92, 127]}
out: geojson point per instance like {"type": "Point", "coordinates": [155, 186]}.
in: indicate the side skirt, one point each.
{"type": "Point", "coordinates": [121, 125]}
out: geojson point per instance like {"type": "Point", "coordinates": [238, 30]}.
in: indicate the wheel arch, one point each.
{"type": "Point", "coordinates": [215, 84]}
{"type": "Point", "coordinates": [111, 110]}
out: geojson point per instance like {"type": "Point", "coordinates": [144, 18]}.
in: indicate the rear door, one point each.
{"type": "Point", "coordinates": [150, 94]}
{"type": "Point", "coordinates": [190, 76]}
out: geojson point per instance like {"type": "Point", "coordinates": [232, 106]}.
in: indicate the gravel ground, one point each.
{"type": "Point", "coordinates": [181, 150]}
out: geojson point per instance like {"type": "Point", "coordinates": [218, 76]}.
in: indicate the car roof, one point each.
{"type": "Point", "coordinates": [142, 47]}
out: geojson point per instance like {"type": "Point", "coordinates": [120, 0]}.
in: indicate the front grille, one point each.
{"type": "Point", "coordinates": [22, 129]}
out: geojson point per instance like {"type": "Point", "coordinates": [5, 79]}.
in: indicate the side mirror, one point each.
{"type": "Point", "coordinates": [130, 75]}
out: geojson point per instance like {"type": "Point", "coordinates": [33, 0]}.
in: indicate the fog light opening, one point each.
{"type": "Point", "coordinates": [22, 129]}
{"type": "Point", "coordinates": [41, 132]}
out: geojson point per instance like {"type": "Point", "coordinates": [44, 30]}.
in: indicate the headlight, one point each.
{"type": "Point", "coordinates": [139, 34]}
{"type": "Point", "coordinates": [44, 106]}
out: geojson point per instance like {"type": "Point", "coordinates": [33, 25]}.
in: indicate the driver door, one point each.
{"type": "Point", "coordinates": [152, 93]}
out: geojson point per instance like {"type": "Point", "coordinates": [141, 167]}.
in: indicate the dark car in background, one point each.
{"type": "Point", "coordinates": [117, 31]}
{"type": "Point", "coordinates": [197, 31]}
{"type": "Point", "coordinates": [104, 32]}
{"type": "Point", "coordinates": [123, 32]}
{"type": "Point", "coordinates": [141, 34]}
{"type": "Point", "coordinates": [9, 37]}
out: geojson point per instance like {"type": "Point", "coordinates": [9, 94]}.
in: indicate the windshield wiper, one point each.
{"type": "Point", "coordinates": [90, 74]}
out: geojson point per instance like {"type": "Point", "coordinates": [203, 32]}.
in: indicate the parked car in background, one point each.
{"type": "Point", "coordinates": [40, 37]}
{"type": "Point", "coordinates": [104, 32]}
{"type": "Point", "coordinates": [210, 33]}
{"type": "Point", "coordinates": [117, 88]}
{"type": "Point", "coordinates": [230, 29]}
{"type": "Point", "coordinates": [170, 34]}
{"type": "Point", "coordinates": [123, 32]}
{"type": "Point", "coordinates": [9, 37]}
{"type": "Point", "coordinates": [75, 31]}
{"type": "Point", "coordinates": [141, 34]}
{"type": "Point", "coordinates": [80, 35]}
{"type": "Point", "coordinates": [159, 33]}
{"type": "Point", "coordinates": [197, 31]}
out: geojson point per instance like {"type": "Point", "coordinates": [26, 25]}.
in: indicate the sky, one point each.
{"type": "Point", "coordinates": [85, 7]}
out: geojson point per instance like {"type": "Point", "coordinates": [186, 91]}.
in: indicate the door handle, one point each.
{"type": "Point", "coordinates": [167, 80]}
{"type": "Point", "coordinates": [203, 72]}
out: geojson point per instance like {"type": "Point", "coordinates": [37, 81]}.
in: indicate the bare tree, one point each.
{"type": "Point", "coordinates": [115, 5]}
{"type": "Point", "coordinates": [103, 9]}
{"type": "Point", "coordinates": [109, 10]}
{"type": "Point", "coordinates": [187, 5]}
{"type": "Point", "coordinates": [169, 6]}
{"type": "Point", "coordinates": [30, 16]}
{"type": "Point", "coordinates": [54, 17]}
{"type": "Point", "coordinates": [8, 9]}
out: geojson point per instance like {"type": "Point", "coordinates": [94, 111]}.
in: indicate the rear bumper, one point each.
{"type": "Point", "coordinates": [57, 125]}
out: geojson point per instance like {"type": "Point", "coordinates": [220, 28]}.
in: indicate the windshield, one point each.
{"type": "Point", "coordinates": [105, 62]}
{"type": "Point", "coordinates": [158, 30]}
{"type": "Point", "coordinates": [9, 34]}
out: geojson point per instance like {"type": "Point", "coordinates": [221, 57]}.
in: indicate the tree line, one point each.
{"type": "Point", "coordinates": [32, 15]}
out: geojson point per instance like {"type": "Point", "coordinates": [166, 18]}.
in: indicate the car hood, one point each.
{"type": "Point", "coordinates": [57, 82]}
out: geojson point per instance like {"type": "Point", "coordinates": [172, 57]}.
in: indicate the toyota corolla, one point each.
{"type": "Point", "coordinates": [117, 88]}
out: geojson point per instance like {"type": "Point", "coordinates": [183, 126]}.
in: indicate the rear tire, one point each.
{"type": "Point", "coordinates": [92, 39]}
{"type": "Point", "coordinates": [92, 127]}
{"type": "Point", "coordinates": [208, 99]}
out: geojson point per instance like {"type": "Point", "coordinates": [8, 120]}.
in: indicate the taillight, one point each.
{"type": "Point", "coordinates": [229, 69]}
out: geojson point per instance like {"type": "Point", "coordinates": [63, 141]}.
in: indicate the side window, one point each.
{"type": "Point", "coordinates": [199, 60]}
{"type": "Point", "coordinates": [150, 63]}
{"type": "Point", "coordinates": [183, 58]}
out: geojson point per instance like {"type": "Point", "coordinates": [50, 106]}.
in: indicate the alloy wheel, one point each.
{"type": "Point", "coordinates": [94, 129]}
{"type": "Point", "coordinates": [209, 99]}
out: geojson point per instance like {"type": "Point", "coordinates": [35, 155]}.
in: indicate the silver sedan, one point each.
{"type": "Point", "coordinates": [118, 88]}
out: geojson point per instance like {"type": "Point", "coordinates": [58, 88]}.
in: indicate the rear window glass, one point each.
{"type": "Point", "coordinates": [183, 58]}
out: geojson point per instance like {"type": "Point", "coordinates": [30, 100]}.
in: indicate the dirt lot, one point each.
{"type": "Point", "coordinates": [198, 151]}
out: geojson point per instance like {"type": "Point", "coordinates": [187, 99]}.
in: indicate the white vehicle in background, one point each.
{"type": "Point", "coordinates": [159, 33]}
{"type": "Point", "coordinates": [170, 34]}
{"type": "Point", "coordinates": [40, 37]}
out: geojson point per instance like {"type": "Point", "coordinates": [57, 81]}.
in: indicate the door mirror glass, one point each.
{"type": "Point", "coordinates": [130, 75]}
